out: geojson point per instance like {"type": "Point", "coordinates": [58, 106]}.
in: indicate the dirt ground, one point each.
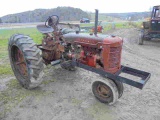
{"type": "Point", "coordinates": [67, 95]}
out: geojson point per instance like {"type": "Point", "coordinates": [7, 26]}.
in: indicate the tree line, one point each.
{"type": "Point", "coordinates": [40, 15]}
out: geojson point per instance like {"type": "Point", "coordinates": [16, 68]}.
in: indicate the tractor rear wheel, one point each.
{"type": "Point", "coordinates": [105, 91]}
{"type": "Point", "coordinates": [25, 60]}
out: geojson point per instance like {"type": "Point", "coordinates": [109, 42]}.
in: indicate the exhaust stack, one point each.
{"type": "Point", "coordinates": [96, 21]}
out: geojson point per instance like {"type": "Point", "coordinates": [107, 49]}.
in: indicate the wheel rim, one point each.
{"type": "Point", "coordinates": [103, 91]}
{"type": "Point", "coordinates": [19, 61]}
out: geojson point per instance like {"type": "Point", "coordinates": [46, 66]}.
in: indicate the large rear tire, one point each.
{"type": "Point", "coordinates": [25, 60]}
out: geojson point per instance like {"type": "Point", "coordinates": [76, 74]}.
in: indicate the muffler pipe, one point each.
{"type": "Point", "coordinates": [96, 21]}
{"type": "Point", "coordinates": [56, 62]}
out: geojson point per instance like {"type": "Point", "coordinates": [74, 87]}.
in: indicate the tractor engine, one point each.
{"type": "Point", "coordinates": [99, 51]}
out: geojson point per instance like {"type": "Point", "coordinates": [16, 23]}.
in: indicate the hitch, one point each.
{"type": "Point", "coordinates": [138, 84]}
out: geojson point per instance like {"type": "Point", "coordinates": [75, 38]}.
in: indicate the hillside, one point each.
{"type": "Point", "coordinates": [40, 15]}
{"type": "Point", "coordinates": [133, 16]}
{"type": "Point", "coordinates": [70, 14]}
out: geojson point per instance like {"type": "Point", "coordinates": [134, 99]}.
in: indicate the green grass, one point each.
{"type": "Point", "coordinates": [5, 69]}
{"type": "Point", "coordinates": [32, 32]}
{"type": "Point", "coordinates": [86, 24]}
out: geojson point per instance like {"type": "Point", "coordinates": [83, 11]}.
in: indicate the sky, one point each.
{"type": "Point", "coordinates": [104, 6]}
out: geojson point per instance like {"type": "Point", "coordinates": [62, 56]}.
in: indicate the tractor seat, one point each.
{"type": "Point", "coordinates": [43, 29]}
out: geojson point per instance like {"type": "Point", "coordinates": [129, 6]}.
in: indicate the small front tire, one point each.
{"type": "Point", "coordinates": [105, 91]}
{"type": "Point", "coordinates": [141, 38]}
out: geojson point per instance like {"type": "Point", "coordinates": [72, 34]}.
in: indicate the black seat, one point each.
{"type": "Point", "coordinates": [43, 29]}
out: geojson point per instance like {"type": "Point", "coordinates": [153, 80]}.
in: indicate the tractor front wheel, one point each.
{"type": "Point", "coordinates": [25, 60]}
{"type": "Point", "coordinates": [141, 38]}
{"type": "Point", "coordinates": [105, 91]}
{"type": "Point", "coordinates": [119, 87]}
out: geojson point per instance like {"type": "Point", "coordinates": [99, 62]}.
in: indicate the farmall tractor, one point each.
{"type": "Point", "coordinates": [64, 44]}
{"type": "Point", "coordinates": [151, 28]}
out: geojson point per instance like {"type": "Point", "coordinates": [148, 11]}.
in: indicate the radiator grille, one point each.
{"type": "Point", "coordinates": [114, 58]}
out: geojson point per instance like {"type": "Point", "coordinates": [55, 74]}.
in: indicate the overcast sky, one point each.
{"type": "Point", "coordinates": [104, 6]}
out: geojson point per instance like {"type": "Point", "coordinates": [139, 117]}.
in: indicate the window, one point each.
{"type": "Point", "coordinates": [157, 13]}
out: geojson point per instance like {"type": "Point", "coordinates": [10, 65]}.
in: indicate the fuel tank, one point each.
{"type": "Point", "coordinates": [110, 46]}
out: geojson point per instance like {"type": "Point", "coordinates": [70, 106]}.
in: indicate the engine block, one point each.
{"type": "Point", "coordinates": [100, 51]}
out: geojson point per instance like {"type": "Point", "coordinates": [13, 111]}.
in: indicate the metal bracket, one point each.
{"type": "Point", "coordinates": [138, 84]}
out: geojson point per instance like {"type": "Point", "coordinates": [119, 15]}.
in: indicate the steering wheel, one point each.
{"type": "Point", "coordinates": [52, 21]}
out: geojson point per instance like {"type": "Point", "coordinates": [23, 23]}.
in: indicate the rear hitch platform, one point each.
{"type": "Point", "coordinates": [144, 76]}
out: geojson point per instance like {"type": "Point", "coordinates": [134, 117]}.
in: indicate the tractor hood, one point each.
{"type": "Point", "coordinates": [91, 39]}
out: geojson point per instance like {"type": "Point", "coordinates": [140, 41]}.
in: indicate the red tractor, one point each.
{"type": "Point", "coordinates": [99, 28]}
{"type": "Point", "coordinates": [66, 46]}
